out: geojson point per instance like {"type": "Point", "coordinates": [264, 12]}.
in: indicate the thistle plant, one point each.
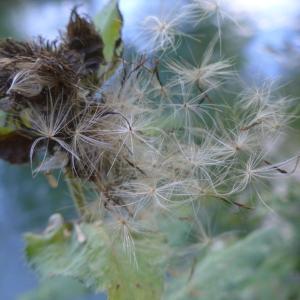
{"type": "Point", "coordinates": [141, 140]}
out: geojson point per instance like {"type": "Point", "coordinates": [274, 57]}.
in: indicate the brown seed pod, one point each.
{"type": "Point", "coordinates": [82, 38]}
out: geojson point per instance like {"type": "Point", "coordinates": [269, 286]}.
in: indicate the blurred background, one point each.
{"type": "Point", "coordinates": [263, 37]}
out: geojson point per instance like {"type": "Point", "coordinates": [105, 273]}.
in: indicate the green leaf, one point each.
{"type": "Point", "coordinates": [109, 22]}
{"type": "Point", "coordinates": [86, 252]}
{"type": "Point", "coordinates": [257, 267]}
{"type": "Point", "coordinates": [3, 128]}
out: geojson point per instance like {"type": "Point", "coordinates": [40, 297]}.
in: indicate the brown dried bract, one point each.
{"type": "Point", "coordinates": [15, 147]}
{"type": "Point", "coordinates": [82, 37]}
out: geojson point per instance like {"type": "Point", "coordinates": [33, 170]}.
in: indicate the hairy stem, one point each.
{"type": "Point", "coordinates": [77, 194]}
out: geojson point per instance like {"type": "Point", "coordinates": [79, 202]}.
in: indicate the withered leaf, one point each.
{"type": "Point", "coordinates": [15, 147]}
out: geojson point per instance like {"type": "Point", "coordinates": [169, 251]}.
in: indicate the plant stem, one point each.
{"type": "Point", "coordinates": [77, 194]}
